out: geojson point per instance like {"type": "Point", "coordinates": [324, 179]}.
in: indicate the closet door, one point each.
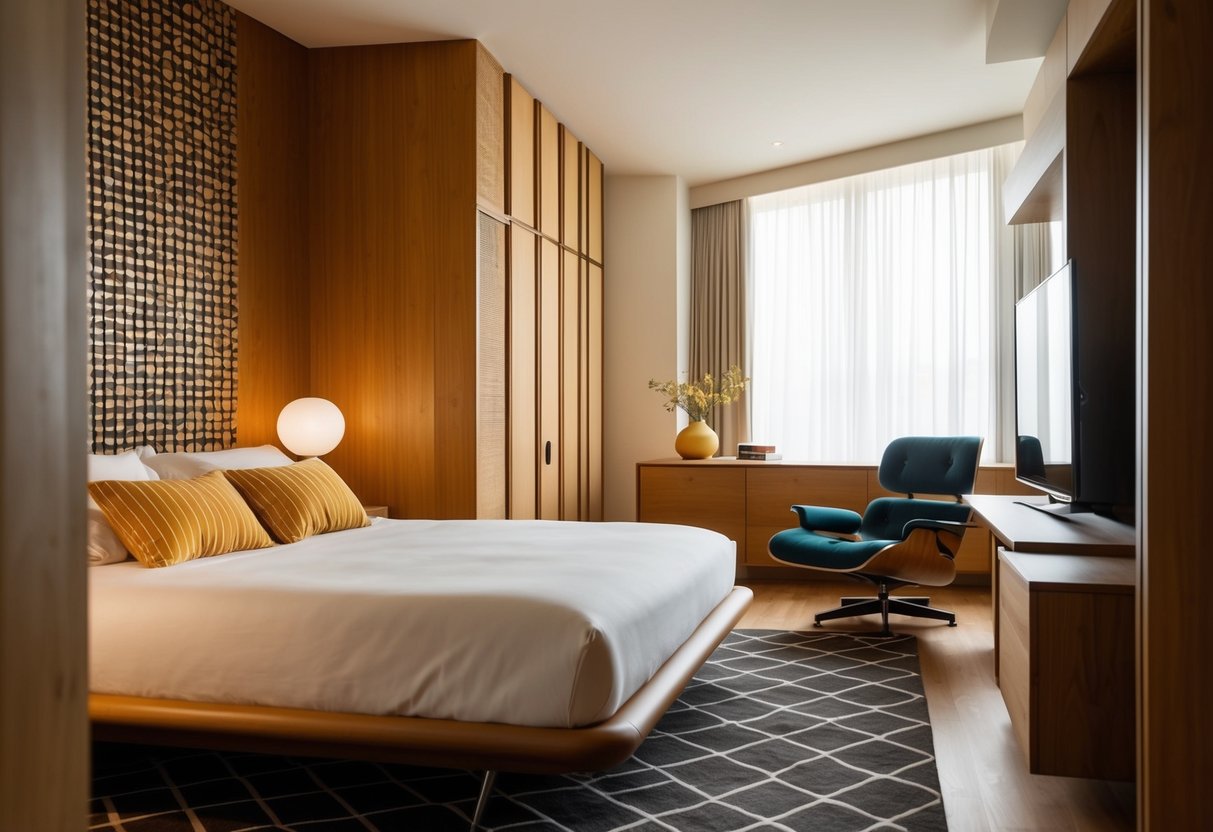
{"type": "Point", "coordinates": [549, 380]}
{"type": "Point", "coordinates": [570, 387]}
{"type": "Point", "coordinates": [523, 382]}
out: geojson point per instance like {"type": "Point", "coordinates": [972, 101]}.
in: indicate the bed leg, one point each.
{"type": "Point", "coordinates": [486, 791]}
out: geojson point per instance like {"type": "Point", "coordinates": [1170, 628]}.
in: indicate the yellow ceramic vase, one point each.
{"type": "Point", "coordinates": [696, 441]}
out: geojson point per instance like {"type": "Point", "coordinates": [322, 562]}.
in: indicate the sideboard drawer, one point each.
{"type": "Point", "coordinates": [708, 497]}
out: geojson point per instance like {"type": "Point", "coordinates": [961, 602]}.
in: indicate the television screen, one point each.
{"type": "Point", "coordinates": [1044, 388]}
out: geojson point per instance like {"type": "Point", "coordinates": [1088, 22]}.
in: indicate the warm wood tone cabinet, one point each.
{"type": "Point", "coordinates": [1066, 661]}
{"type": "Point", "coordinates": [453, 317]}
{"type": "Point", "coordinates": [689, 495]}
{"type": "Point", "coordinates": [562, 349]}
{"type": "Point", "coordinates": [670, 491]}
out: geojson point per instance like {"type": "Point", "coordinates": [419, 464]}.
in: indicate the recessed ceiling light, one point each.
{"type": "Point", "coordinates": [776, 144]}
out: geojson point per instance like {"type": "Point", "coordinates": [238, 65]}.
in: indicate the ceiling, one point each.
{"type": "Point", "coordinates": [703, 88]}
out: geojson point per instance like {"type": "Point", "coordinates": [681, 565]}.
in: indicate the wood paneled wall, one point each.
{"type": "Point", "coordinates": [392, 247]}
{"type": "Point", "coordinates": [1175, 213]}
{"type": "Point", "coordinates": [43, 639]}
{"type": "Point", "coordinates": [274, 325]}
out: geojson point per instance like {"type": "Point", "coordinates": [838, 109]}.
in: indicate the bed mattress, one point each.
{"type": "Point", "coordinates": [532, 623]}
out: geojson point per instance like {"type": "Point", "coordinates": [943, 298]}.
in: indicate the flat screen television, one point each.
{"type": "Point", "coordinates": [1046, 453]}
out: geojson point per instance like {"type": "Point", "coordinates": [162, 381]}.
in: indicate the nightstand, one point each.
{"type": "Point", "coordinates": [375, 511]}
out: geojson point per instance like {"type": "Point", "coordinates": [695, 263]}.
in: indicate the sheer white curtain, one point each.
{"type": "Point", "coordinates": [873, 310]}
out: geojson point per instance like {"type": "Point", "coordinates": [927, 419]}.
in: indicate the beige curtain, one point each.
{"type": "Point", "coordinates": [1025, 255]}
{"type": "Point", "coordinates": [718, 310]}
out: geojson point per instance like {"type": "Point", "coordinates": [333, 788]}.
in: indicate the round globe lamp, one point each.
{"type": "Point", "coordinates": [310, 426]}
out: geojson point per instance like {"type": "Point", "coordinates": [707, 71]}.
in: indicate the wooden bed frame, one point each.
{"type": "Point", "coordinates": [415, 740]}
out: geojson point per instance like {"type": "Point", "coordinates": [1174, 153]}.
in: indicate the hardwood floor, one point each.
{"type": "Point", "coordinates": [985, 780]}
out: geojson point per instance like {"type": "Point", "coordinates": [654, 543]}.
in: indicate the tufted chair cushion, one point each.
{"type": "Point", "coordinates": [930, 465]}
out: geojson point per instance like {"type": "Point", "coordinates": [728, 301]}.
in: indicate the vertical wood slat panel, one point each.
{"type": "Point", "coordinates": [583, 221]}
{"type": "Point", "coordinates": [570, 387]}
{"type": "Point", "coordinates": [490, 131]}
{"type": "Point", "coordinates": [583, 398]}
{"type": "Point", "coordinates": [521, 153]}
{"type": "Point", "coordinates": [274, 331]}
{"type": "Point", "coordinates": [594, 218]}
{"type": "Point", "coordinates": [549, 380]}
{"type": "Point", "coordinates": [594, 400]}
{"type": "Point", "coordinates": [549, 174]}
{"type": "Point", "coordinates": [523, 422]}
{"type": "Point", "coordinates": [570, 189]}
{"type": "Point", "coordinates": [392, 253]}
{"type": "Point", "coordinates": [491, 436]}
{"type": "Point", "coordinates": [44, 751]}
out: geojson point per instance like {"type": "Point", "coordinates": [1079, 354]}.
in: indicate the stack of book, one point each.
{"type": "Point", "coordinates": [751, 450]}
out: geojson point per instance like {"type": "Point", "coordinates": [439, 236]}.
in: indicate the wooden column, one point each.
{"type": "Point", "coordinates": [1175, 276]}
{"type": "Point", "coordinates": [43, 671]}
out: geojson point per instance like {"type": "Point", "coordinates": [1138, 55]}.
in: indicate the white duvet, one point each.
{"type": "Point", "coordinates": [523, 622]}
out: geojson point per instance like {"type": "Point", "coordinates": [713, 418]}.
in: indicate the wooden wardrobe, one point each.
{"type": "Point", "coordinates": [456, 322]}
{"type": "Point", "coordinates": [554, 199]}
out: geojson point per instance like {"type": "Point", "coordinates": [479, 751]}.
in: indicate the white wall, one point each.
{"type": "Point", "coordinates": [647, 301]}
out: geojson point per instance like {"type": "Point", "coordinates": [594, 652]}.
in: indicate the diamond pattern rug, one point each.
{"type": "Point", "coordinates": [778, 731]}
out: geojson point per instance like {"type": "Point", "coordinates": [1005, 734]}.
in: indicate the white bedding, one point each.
{"type": "Point", "coordinates": [523, 622]}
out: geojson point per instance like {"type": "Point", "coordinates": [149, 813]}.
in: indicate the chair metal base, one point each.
{"type": "Point", "coordinates": [883, 604]}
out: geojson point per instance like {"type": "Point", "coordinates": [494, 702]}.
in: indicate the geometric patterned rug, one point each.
{"type": "Point", "coordinates": [778, 731]}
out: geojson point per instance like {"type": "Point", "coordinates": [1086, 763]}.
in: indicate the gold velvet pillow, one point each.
{"type": "Point", "coordinates": [300, 500]}
{"type": "Point", "coordinates": [163, 522]}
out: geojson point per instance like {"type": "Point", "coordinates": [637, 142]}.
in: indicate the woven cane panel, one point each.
{"type": "Point", "coordinates": [490, 130]}
{"type": "Point", "coordinates": [162, 224]}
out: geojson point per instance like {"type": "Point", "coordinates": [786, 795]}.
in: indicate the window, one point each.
{"type": "Point", "coordinates": [877, 308]}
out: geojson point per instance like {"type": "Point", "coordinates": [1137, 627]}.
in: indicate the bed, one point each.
{"type": "Point", "coordinates": [528, 646]}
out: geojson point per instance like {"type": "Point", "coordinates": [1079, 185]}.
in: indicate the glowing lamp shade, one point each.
{"type": "Point", "coordinates": [311, 426]}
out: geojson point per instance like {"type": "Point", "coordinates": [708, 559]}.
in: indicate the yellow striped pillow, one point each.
{"type": "Point", "coordinates": [163, 522]}
{"type": "Point", "coordinates": [300, 500]}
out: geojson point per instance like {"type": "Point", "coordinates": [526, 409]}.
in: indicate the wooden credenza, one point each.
{"type": "Point", "coordinates": [1063, 594]}
{"type": "Point", "coordinates": [749, 501]}
{"type": "Point", "coordinates": [1066, 661]}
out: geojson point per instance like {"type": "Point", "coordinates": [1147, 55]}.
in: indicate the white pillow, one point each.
{"type": "Point", "coordinates": [103, 545]}
{"type": "Point", "coordinates": [123, 466]}
{"type": "Point", "coordinates": [184, 466]}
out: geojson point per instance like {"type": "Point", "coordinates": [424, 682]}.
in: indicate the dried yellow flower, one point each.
{"type": "Point", "coordinates": [698, 398]}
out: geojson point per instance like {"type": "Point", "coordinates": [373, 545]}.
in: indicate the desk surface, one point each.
{"type": "Point", "coordinates": [1024, 529]}
{"type": "Point", "coordinates": [1073, 573]}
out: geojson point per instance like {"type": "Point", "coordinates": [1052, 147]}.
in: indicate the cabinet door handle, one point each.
{"type": "Point", "coordinates": [547, 453]}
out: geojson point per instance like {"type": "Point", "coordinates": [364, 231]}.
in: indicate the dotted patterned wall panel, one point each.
{"type": "Point", "coordinates": [162, 224]}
